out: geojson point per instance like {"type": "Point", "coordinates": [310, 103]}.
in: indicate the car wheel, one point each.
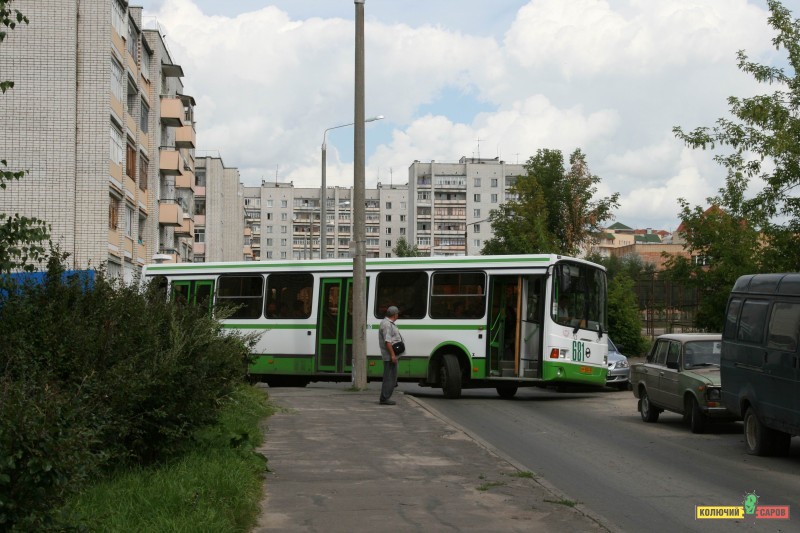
{"type": "Point", "coordinates": [697, 418]}
{"type": "Point", "coordinates": [450, 376]}
{"type": "Point", "coordinates": [761, 440]}
{"type": "Point", "coordinates": [646, 409]}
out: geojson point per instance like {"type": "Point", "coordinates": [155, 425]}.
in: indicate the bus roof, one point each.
{"type": "Point", "coordinates": [372, 264]}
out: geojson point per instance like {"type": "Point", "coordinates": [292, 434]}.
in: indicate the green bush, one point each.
{"type": "Point", "coordinates": [99, 377]}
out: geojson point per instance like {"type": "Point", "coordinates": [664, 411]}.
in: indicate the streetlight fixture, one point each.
{"type": "Point", "coordinates": [323, 194]}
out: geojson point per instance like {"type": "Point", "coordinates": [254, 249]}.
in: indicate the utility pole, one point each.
{"type": "Point", "coordinates": [359, 213]}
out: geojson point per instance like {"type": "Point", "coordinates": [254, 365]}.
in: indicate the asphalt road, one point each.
{"type": "Point", "coordinates": [594, 447]}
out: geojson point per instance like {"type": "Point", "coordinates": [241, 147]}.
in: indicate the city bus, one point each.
{"type": "Point", "coordinates": [499, 322]}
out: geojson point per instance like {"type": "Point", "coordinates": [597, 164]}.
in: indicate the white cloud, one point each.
{"type": "Point", "coordinates": [611, 77]}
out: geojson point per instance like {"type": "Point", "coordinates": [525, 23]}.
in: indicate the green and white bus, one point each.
{"type": "Point", "coordinates": [467, 322]}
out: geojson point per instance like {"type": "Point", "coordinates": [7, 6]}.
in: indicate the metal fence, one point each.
{"type": "Point", "coordinates": [666, 306]}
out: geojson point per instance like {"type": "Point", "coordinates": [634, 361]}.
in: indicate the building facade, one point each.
{"type": "Point", "coordinates": [219, 214]}
{"type": "Point", "coordinates": [98, 119]}
{"type": "Point", "coordinates": [449, 203]}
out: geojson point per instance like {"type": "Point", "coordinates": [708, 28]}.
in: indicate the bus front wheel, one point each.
{"type": "Point", "coordinates": [507, 391]}
{"type": "Point", "coordinates": [450, 376]}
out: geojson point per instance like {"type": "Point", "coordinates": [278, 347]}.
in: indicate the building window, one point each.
{"type": "Point", "coordinates": [402, 218]}
{"type": "Point", "coordinates": [477, 197]}
{"type": "Point", "coordinates": [284, 203]}
{"type": "Point", "coordinates": [144, 165]}
{"type": "Point", "coordinates": [133, 42]}
{"type": "Point", "coordinates": [388, 205]}
{"type": "Point", "coordinates": [144, 119]}
{"type": "Point", "coordinates": [113, 212]}
{"type": "Point", "coordinates": [142, 220]}
{"type": "Point", "coordinates": [494, 198]}
{"type": "Point", "coordinates": [476, 213]}
{"type": "Point", "coordinates": [117, 79]}
{"type": "Point", "coordinates": [284, 216]}
{"type": "Point", "coordinates": [284, 242]}
{"type": "Point", "coordinates": [268, 255]}
{"type": "Point", "coordinates": [118, 19]}
{"type": "Point", "coordinates": [269, 229]}
{"type": "Point", "coordinates": [268, 242]}
{"type": "Point", "coordinates": [283, 229]}
{"type": "Point", "coordinates": [200, 177]}
{"type": "Point", "coordinates": [130, 162]}
{"type": "Point", "coordinates": [283, 255]}
{"type": "Point", "coordinates": [200, 206]}
{"type": "Point", "coordinates": [269, 203]}
{"type": "Point", "coordinates": [388, 231]}
{"type": "Point", "coordinates": [477, 243]}
{"type": "Point", "coordinates": [477, 182]}
{"type": "Point", "coordinates": [494, 182]}
{"type": "Point", "coordinates": [128, 220]}
{"type": "Point", "coordinates": [388, 218]}
{"type": "Point", "coordinates": [389, 244]}
{"type": "Point", "coordinates": [403, 205]}
{"type": "Point", "coordinates": [476, 228]}
{"type": "Point", "coordinates": [402, 231]}
{"type": "Point", "coordinates": [146, 57]}
{"type": "Point", "coordinates": [117, 145]}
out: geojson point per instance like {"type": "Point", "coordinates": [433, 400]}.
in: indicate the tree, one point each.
{"type": "Point", "coordinates": [624, 321]}
{"type": "Point", "coordinates": [404, 249]}
{"type": "Point", "coordinates": [21, 237]}
{"type": "Point", "coordinates": [554, 210]}
{"type": "Point", "coordinates": [764, 152]}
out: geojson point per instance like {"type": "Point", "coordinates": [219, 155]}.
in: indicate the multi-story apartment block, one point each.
{"type": "Point", "coordinates": [220, 211]}
{"type": "Point", "coordinates": [449, 203]}
{"type": "Point", "coordinates": [285, 221]}
{"type": "Point", "coordinates": [98, 119]}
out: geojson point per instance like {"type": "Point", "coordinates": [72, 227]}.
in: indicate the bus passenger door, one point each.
{"type": "Point", "coordinates": [504, 326]}
{"type": "Point", "coordinates": [531, 325]}
{"type": "Point", "coordinates": [335, 325]}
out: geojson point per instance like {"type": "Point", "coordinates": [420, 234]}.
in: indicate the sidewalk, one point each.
{"type": "Point", "coordinates": [341, 462]}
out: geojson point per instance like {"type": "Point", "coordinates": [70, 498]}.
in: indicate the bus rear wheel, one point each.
{"type": "Point", "coordinates": [450, 376]}
{"type": "Point", "coordinates": [507, 391]}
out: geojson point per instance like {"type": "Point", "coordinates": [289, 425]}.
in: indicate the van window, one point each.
{"type": "Point", "coordinates": [752, 321]}
{"type": "Point", "coordinates": [729, 332]}
{"type": "Point", "coordinates": [783, 326]}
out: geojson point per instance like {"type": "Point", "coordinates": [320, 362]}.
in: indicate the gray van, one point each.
{"type": "Point", "coordinates": [760, 367]}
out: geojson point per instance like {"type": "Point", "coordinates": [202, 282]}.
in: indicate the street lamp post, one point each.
{"type": "Point", "coordinates": [323, 197]}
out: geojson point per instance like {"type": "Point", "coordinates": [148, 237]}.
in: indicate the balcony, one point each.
{"type": "Point", "coordinates": [187, 228]}
{"type": "Point", "coordinates": [170, 213]}
{"type": "Point", "coordinates": [172, 111]}
{"type": "Point", "coordinates": [185, 180]}
{"type": "Point", "coordinates": [185, 137]}
{"type": "Point", "coordinates": [170, 163]}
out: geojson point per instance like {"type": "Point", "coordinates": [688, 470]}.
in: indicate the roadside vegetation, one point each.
{"type": "Point", "coordinates": [103, 382]}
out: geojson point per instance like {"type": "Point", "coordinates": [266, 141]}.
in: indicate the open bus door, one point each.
{"type": "Point", "coordinates": [194, 292]}
{"type": "Point", "coordinates": [533, 309]}
{"type": "Point", "coordinates": [505, 297]}
{"type": "Point", "coordinates": [335, 331]}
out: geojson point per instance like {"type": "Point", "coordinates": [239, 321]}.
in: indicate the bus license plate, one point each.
{"type": "Point", "coordinates": [585, 370]}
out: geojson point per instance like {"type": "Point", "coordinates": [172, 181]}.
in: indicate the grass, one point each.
{"type": "Point", "coordinates": [491, 484]}
{"type": "Point", "coordinates": [568, 503]}
{"type": "Point", "coordinates": [215, 487]}
{"type": "Point", "coordinates": [524, 475]}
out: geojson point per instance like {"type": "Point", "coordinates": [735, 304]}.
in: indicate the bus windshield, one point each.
{"type": "Point", "coordinates": [579, 297]}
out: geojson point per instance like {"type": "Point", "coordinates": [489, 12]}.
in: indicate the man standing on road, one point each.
{"type": "Point", "coordinates": [388, 335]}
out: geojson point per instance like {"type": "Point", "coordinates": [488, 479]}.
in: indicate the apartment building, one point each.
{"type": "Point", "coordinates": [99, 120]}
{"type": "Point", "coordinates": [449, 203]}
{"type": "Point", "coordinates": [284, 220]}
{"type": "Point", "coordinates": [219, 213]}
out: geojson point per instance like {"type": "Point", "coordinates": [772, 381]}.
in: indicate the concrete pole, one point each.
{"type": "Point", "coordinates": [359, 214]}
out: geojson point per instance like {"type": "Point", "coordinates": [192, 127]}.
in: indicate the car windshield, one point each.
{"type": "Point", "coordinates": [701, 353]}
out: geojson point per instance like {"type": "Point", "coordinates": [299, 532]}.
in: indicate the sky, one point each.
{"type": "Point", "coordinates": [474, 78]}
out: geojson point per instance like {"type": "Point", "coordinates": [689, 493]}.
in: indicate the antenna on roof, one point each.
{"type": "Point", "coordinates": [479, 146]}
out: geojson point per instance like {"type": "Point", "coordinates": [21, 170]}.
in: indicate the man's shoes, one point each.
{"type": "Point", "coordinates": [388, 402]}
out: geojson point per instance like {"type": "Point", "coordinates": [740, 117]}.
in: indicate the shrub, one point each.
{"type": "Point", "coordinates": [99, 377]}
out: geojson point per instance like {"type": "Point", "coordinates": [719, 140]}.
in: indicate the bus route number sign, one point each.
{"type": "Point", "coordinates": [578, 351]}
